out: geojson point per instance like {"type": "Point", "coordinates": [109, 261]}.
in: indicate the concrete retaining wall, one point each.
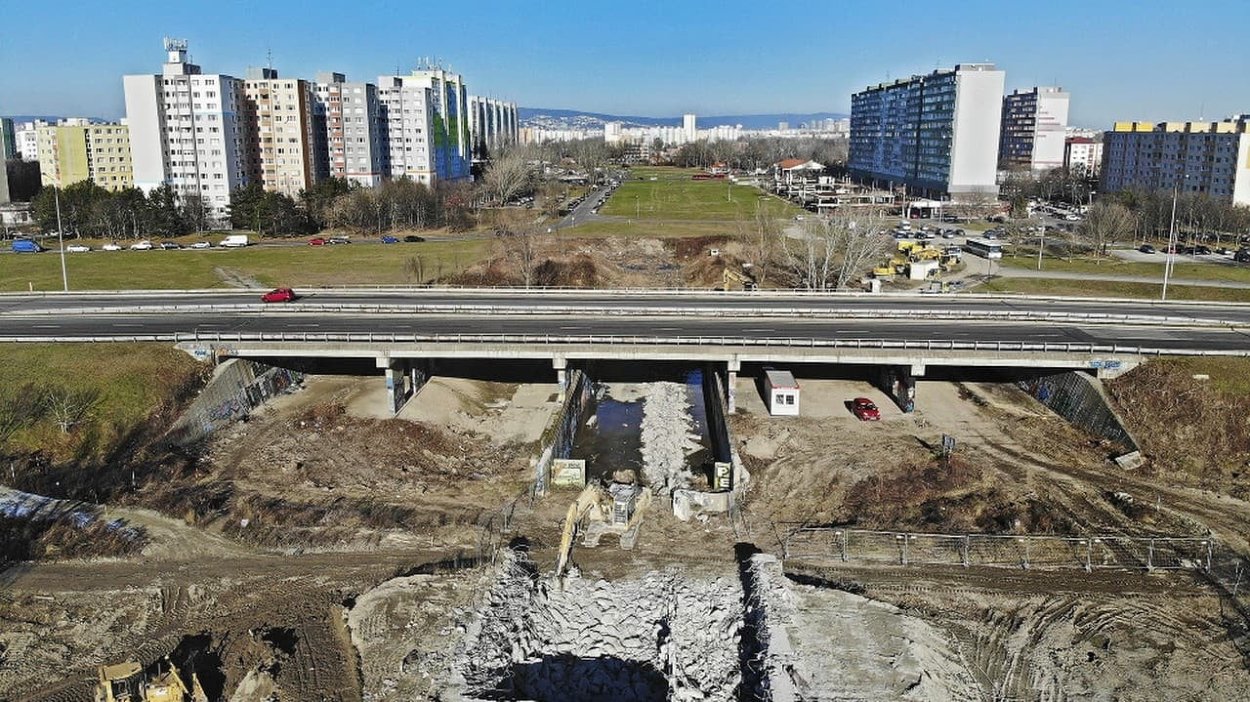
{"type": "Point", "coordinates": [557, 438]}
{"type": "Point", "coordinates": [238, 387]}
{"type": "Point", "coordinates": [1080, 399]}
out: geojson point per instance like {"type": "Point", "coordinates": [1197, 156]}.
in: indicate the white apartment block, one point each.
{"type": "Point", "coordinates": [689, 125]}
{"type": "Point", "coordinates": [1034, 125]}
{"type": "Point", "coordinates": [492, 124]}
{"type": "Point", "coordinates": [427, 128]}
{"type": "Point", "coordinates": [26, 139]}
{"type": "Point", "coordinates": [350, 117]}
{"type": "Point", "coordinates": [1211, 158]}
{"type": "Point", "coordinates": [187, 131]}
{"type": "Point", "coordinates": [936, 134]}
{"type": "Point", "coordinates": [280, 140]}
{"type": "Point", "coordinates": [1082, 156]}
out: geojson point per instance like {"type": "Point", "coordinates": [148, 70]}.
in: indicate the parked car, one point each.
{"type": "Point", "coordinates": [388, 239]}
{"type": "Point", "coordinates": [414, 239]}
{"type": "Point", "coordinates": [202, 245]}
{"type": "Point", "coordinates": [317, 241]}
{"type": "Point", "coordinates": [170, 246]}
{"type": "Point", "coordinates": [78, 248]}
{"type": "Point", "coordinates": [1202, 250]}
{"type": "Point", "coordinates": [1147, 249]}
{"type": "Point", "coordinates": [278, 295]}
{"type": "Point", "coordinates": [1242, 256]}
{"type": "Point", "coordinates": [26, 246]}
{"type": "Point", "coordinates": [112, 246]}
{"type": "Point", "coordinates": [338, 240]}
{"type": "Point", "coordinates": [865, 410]}
{"type": "Point", "coordinates": [144, 245]}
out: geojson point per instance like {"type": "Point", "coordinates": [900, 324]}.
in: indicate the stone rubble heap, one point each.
{"type": "Point", "coordinates": [667, 436]}
{"type": "Point", "coordinates": [659, 637]}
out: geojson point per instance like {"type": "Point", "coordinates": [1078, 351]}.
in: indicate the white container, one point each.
{"type": "Point", "coordinates": [782, 393]}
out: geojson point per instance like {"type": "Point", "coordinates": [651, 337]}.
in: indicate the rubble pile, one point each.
{"type": "Point", "coordinates": [668, 436]}
{"type": "Point", "coordinates": [657, 637]}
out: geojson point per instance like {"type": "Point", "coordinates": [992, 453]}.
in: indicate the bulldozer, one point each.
{"type": "Point", "coordinates": [615, 508]}
{"type": "Point", "coordinates": [126, 682]}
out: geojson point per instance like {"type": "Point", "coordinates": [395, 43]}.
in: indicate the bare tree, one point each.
{"type": "Point", "coordinates": [519, 237]}
{"type": "Point", "coordinates": [826, 254]}
{"type": "Point", "coordinates": [19, 409]}
{"type": "Point", "coordinates": [507, 176]}
{"type": "Point", "coordinates": [1105, 223]}
{"type": "Point", "coordinates": [760, 237]}
{"type": "Point", "coordinates": [69, 407]}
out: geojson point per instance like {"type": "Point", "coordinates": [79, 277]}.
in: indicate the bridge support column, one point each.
{"type": "Point", "coordinates": [397, 388]}
{"type": "Point", "coordinates": [900, 385]}
{"type": "Point", "coordinates": [917, 369]}
{"type": "Point", "coordinates": [561, 365]}
{"type": "Point", "coordinates": [731, 380]}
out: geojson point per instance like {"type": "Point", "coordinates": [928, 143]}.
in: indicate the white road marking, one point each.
{"type": "Point", "coordinates": [47, 326]}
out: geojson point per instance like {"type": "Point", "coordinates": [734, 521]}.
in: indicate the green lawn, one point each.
{"type": "Point", "coordinates": [296, 266]}
{"type": "Point", "coordinates": [1109, 288]}
{"type": "Point", "coordinates": [674, 196]}
{"type": "Point", "coordinates": [1114, 266]}
{"type": "Point", "coordinates": [648, 228]}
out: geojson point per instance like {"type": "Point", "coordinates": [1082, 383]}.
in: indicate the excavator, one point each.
{"type": "Point", "coordinates": [617, 508]}
{"type": "Point", "coordinates": [126, 682]}
{"type": "Point", "coordinates": [737, 280]}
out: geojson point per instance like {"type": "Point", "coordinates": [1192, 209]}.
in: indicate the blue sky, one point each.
{"type": "Point", "coordinates": [1145, 60]}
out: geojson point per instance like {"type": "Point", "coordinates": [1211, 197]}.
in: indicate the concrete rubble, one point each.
{"type": "Point", "coordinates": [668, 436]}
{"type": "Point", "coordinates": [662, 636]}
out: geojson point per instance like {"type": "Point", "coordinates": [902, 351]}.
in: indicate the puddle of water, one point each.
{"type": "Point", "coordinates": [613, 439]}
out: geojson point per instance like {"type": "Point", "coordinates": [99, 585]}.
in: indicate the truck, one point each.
{"type": "Point", "coordinates": [26, 246]}
{"type": "Point", "coordinates": [234, 241]}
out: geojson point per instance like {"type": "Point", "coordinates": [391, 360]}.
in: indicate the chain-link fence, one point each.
{"type": "Point", "coordinates": [1024, 551]}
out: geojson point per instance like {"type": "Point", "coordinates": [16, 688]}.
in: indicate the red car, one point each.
{"type": "Point", "coordinates": [864, 408]}
{"type": "Point", "coordinates": [278, 295]}
{"type": "Point", "coordinates": [317, 242]}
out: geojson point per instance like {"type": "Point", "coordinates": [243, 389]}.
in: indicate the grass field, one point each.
{"type": "Point", "coordinates": [131, 382]}
{"type": "Point", "coordinates": [674, 196]}
{"type": "Point", "coordinates": [1108, 288]}
{"type": "Point", "coordinates": [295, 266]}
{"type": "Point", "coordinates": [1114, 266]}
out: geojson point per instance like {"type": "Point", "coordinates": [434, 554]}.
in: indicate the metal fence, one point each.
{"type": "Point", "coordinates": [1024, 551]}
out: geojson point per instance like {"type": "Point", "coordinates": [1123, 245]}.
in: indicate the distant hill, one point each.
{"type": "Point", "coordinates": [548, 118]}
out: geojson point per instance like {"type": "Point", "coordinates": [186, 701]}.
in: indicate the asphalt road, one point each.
{"type": "Point", "coordinates": [672, 303]}
{"type": "Point", "coordinates": [780, 328]}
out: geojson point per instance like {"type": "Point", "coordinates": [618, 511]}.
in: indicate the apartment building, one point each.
{"type": "Point", "coordinates": [77, 150]}
{"type": "Point", "coordinates": [427, 125]}
{"type": "Point", "coordinates": [26, 139]}
{"type": "Point", "coordinates": [280, 141]}
{"type": "Point", "coordinates": [1033, 129]}
{"type": "Point", "coordinates": [936, 134]}
{"type": "Point", "coordinates": [1194, 157]}
{"type": "Point", "coordinates": [492, 124]}
{"type": "Point", "coordinates": [349, 116]}
{"type": "Point", "coordinates": [186, 131]}
{"type": "Point", "coordinates": [7, 147]}
{"type": "Point", "coordinates": [1082, 156]}
{"type": "Point", "coordinates": [8, 140]}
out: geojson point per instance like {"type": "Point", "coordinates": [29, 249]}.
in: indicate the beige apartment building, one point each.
{"type": "Point", "coordinates": [281, 142]}
{"type": "Point", "coordinates": [77, 150]}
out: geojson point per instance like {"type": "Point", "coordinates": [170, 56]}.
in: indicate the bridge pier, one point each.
{"type": "Point", "coordinates": [404, 377]}
{"type": "Point", "coordinates": [899, 382]}
{"type": "Point", "coordinates": [731, 380]}
{"type": "Point", "coordinates": [561, 364]}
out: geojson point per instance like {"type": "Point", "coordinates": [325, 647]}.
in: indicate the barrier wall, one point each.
{"type": "Point", "coordinates": [238, 387]}
{"type": "Point", "coordinates": [1079, 398]}
{"type": "Point", "coordinates": [557, 438]}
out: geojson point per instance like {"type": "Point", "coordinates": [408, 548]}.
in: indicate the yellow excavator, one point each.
{"type": "Point", "coordinates": [737, 280]}
{"type": "Point", "coordinates": [617, 508]}
{"type": "Point", "coordinates": [126, 682]}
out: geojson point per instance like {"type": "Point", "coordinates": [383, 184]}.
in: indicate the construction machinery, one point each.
{"type": "Point", "coordinates": [737, 280]}
{"type": "Point", "coordinates": [126, 682]}
{"type": "Point", "coordinates": [616, 508]}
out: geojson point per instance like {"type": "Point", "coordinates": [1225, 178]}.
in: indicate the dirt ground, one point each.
{"type": "Point", "coordinates": [356, 575]}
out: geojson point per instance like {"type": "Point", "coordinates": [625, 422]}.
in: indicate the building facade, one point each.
{"type": "Point", "coordinates": [187, 131]}
{"type": "Point", "coordinates": [427, 126]}
{"type": "Point", "coordinates": [1082, 156]}
{"type": "Point", "coordinates": [281, 144]}
{"type": "Point", "coordinates": [8, 140]}
{"type": "Point", "coordinates": [26, 139]}
{"type": "Point", "coordinates": [1211, 158]}
{"type": "Point", "coordinates": [349, 116]}
{"type": "Point", "coordinates": [492, 124]}
{"type": "Point", "coordinates": [1033, 128]}
{"type": "Point", "coordinates": [74, 152]}
{"type": "Point", "coordinates": [937, 134]}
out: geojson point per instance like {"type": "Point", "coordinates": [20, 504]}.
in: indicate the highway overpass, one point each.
{"type": "Point", "coordinates": [399, 330]}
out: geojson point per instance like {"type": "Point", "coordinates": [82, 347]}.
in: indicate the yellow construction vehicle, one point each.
{"type": "Point", "coordinates": [617, 508]}
{"type": "Point", "coordinates": [126, 682]}
{"type": "Point", "coordinates": [735, 280]}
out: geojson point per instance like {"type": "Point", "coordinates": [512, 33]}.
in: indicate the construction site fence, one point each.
{"type": "Point", "coordinates": [1043, 552]}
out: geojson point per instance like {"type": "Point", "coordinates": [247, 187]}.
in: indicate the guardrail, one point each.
{"type": "Point", "coordinates": [618, 311]}
{"type": "Point", "coordinates": [547, 340]}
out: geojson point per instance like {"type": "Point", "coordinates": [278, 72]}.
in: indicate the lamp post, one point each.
{"type": "Point", "coordinates": [1171, 253]}
{"type": "Point", "coordinates": [60, 238]}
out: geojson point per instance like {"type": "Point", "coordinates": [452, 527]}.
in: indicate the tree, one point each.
{"type": "Point", "coordinates": [19, 408]}
{"type": "Point", "coordinates": [24, 180]}
{"type": "Point", "coordinates": [69, 407]}
{"type": "Point", "coordinates": [829, 253]}
{"type": "Point", "coordinates": [1106, 223]}
{"type": "Point", "coordinates": [320, 198]}
{"type": "Point", "coordinates": [507, 176]}
{"type": "Point", "coordinates": [760, 237]}
{"type": "Point", "coordinates": [519, 237]}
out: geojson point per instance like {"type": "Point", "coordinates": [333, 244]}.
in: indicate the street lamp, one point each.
{"type": "Point", "coordinates": [60, 238]}
{"type": "Point", "coordinates": [1170, 261]}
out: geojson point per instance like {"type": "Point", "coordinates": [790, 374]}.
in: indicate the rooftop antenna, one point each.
{"type": "Point", "coordinates": [269, 57]}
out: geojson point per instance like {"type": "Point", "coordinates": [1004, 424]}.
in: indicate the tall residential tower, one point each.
{"type": "Point", "coordinates": [350, 117]}
{"type": "Point", "coordinates": [1034, 128]}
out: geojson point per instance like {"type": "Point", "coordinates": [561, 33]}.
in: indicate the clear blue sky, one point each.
{"type": "Point", "coordinates": [1147, 59]}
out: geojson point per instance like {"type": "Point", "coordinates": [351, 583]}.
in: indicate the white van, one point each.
{"type": "Point", "coordinates": [234, 241]}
